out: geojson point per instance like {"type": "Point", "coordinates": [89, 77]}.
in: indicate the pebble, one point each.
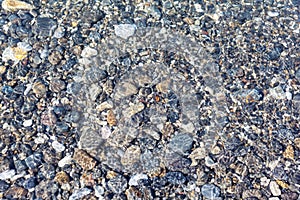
{"type": "Point", "coordinates": [3, 186]}
{"type": "Point", "coordinates": [181, 143]}
{"type": "Point", "coordinates": [45, 26]}
{"type": "Point", "coordinates": [39, 89]}
{"type": "Point", "coordinates": [27, 123]}
{"type": "Point", "coordinates": [210, 191]}
{"type": "Point", "coordinates": [55, 57]}
{"type": "Point", "coordinates": [117, 184]}
{"type": "Point", "coordinates": [8, 174]}
{"type": "Point", "coordinates": [125, 30]}
{"type": "Point", "coordinates": [135, 179]}
{"type": "Point", "coordinates": [30, 183]}
{"type": "Point", "coordinates": [58, 147]}
{"type": "Point", "coordinates": [62, 178]}
{"type": "Point", "coordinates": [289, 152]}
{"type": "Point", "coordinates": [274, 188]}
{"type": "Point", "coordinates": [34, 160]}
{"type": "Point", "coordinates": [14, 5]}
{"type": "Point", "coordinates": [67, 160]}
{"type": "Point", "coordinates": [88, 52]}
{"type": "Point", "coordinates": [84, 160]}
{"type": "Point", "coordinates": [99, 191]}
{"type": "Point", "coordinates": [17, 53]}
{"type": "Point", "coordinates": [79, 194]}
{"type": "Point", "coordinates": [176, 178]}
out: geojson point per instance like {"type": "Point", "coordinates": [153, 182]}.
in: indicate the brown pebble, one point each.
{"type": "Point", "coordinates": [84, 159]}
{"type": "Point", "coordinates": [2, 69]}
{"type": "Point", "coordinates": [62, 178]}
{"type": "Point", "coordinates": [39, 89]}
{"type": "Point", "coordinates": [57, 85]}
{"type": "Point", "coordinates": [297, 142]}
{"type": "Point", "coordinates": [289, 152]}
{"type": "Point", "coordinates": [111, 118]}
{"type": "Point", "coordinates": [55, 58]}
{"type": "Point", "coordinates": [16, 192]}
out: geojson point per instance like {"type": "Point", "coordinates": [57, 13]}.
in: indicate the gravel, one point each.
{"type": "Point", "coordinates": [149, 100]}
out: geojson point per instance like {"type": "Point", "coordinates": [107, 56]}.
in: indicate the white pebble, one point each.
{"type": "Point", "coordinates": [58, 146]}
{"type": "Point", "coordinates": [65, 161]}
{"type": "Point", "coordinates": [125, 30]}
{"type": "Point", "coordinates": [134, 179]}
{"type": "Point", "coordinates": [27, 123]}
{"type": "Point", "coordinates": [88, 52]}
{"type": "Point", "coordinates": [274, 187]}
{"type": "Point", "coordinates": [7, 174]}
{"type": "Point", "coordinates": [99, 190]}
{"type": "Point", "coordinates": [288, 95]}
{"type": "Point", "coordinates": [273, 14]}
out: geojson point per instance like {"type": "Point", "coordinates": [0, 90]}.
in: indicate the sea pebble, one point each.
{"type": "Point", "coordinates": [274, 188]}
{"type": "Point", "coordinates": [67, 160]}
{"type": "Point", "coordinates": [27, 123]}
{"type": "Point", "coordinates": [125, 30]}
{"type": "Point", "coordinates": [79, 194]}
{"type": "Point", "coordinates": [58, 146]}
{"type": "Point", "coordinates": [8, 174]}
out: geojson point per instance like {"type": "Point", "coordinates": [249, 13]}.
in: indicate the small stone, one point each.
{"type": "Point", "coordinates": [105, 132]}
{"type": "Point", "coordinates": [197, 154]}
{"type": "Point", "coordinates": [30, 183]}
{"type": "Point", "coordinates": [59, 32]}
{"type": "Point", "coordinates": [125, 90]}
{"type": "Point", "coordinates": [103, 106]}
{"type": "Point", "coordinates": [210, 191]}
{"type": "Point", "coordinates": [136, 108]}
{"type": "Point", "coordinates": [181, 143]}
{"type": "Point", "coordinates": [2, 69]}
{"type": "Point", "coordinates": [274, 188]}
{"type": "Point", "coordinates": [117, 184]}
{"type": "Point", "coordinates": [297, 142]}
{"type": "Point", "coordinates": [14, 5]}
{"type": "Point", "coordinates": [58, 146]}
{"type": "Point", "coordinates": [67, 160]}
{"type": "Point", "coordinates": [264, 181]}
{"type": "Point", "coordinates": [16, 192]}
{"type": "Point", "coordinates": [277, 92]}
{"type": "Point", "coordinates": [8, 174]}
{"type": "Point", "coordinates": [99, 191]}
{"type": "Point", "coordinates": [175, 178]}
{"type": "Point", "coordinates": [16, 53]}
{"type": "Point", "coordinates": [135, 179]}
{"type": "Point", "coordinates": [289, 152]}
{"type": "Point", "coordinates": [33, 160]}
{"type": "Point", "coordinates": [45, 26]}
{"type": "Point", "coordinates": [88, 52]}
{"type": "Point", "coordinates": [62, 178]}
{"type": "Point", "coordinates": [273, 198]}
{"type": "Point", "coordinates": [55, 57]}
{"type": "Point", "coordinates": [39, 89]}
{"type": "Point", "coordinates": [272, 13]}
{"type": "Point", "coordinates": [3, 186]}
{"type": "Point", "coordinates": [282, 184]}
{"type": "Point", "coordinates": [48, 118]}
{"type": "Point", "coordinates": [57, 85]}
{"type": "Point", "coordinates": [125, 30]}
{"type": "Point", "coordinates": [84, 160]}
{"type": "Point", "coordinates": [79, 194]}
{"type": "Point", "coordinates": [111, 118]}
{"type": "Point", "coordinates": [27, 123]}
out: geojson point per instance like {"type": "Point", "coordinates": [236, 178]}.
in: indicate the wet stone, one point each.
{"type": "Point", "coordinates": [210, 191]}
{"type": "Point", "coordinates": [45, 26]}
{"type": "Point", "coordinates": [176, 178]}
{"type": "Point", "coordinates": [84, 160]}
{"type": "Point", "coordinates": [34, 160]}
{"type": "Point", "coordinates": [181, 143]}
{"type": "Point", "coordinates": [3, 186]}
{"type": "Point", "coordinates": [30, 183]}
{"type": "Point", "coordinates": [117, 184]}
